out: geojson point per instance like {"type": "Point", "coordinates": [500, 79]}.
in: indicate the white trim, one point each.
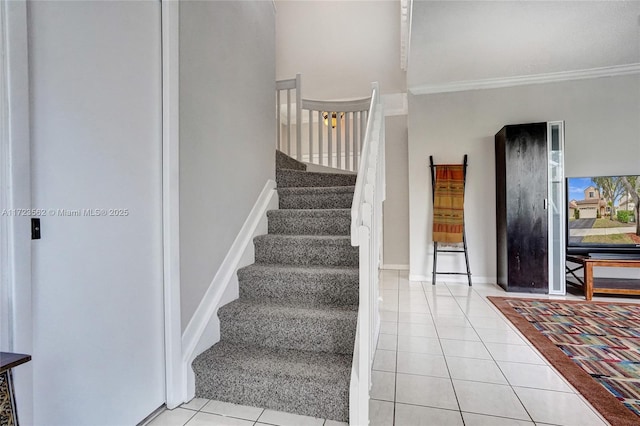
{"type": "Point", "coordinates": [495, 83]}
{"type": "Point", "coordinates": [556, 243]}
{"type": "Point", "coordinates": [454, 279]}
{"type": "Point", "coordinates": [406, 11]}
{"type": "Point", "coordinates": [395, 267]}
{"type": "Point", "coordinates": [225, 276]}
{"type": "Point", "coordinates": [175, 392]}
{"type": "Point", "coordinates": [6, 320]}
{"type": "Point", "coordinates": [19, 196]}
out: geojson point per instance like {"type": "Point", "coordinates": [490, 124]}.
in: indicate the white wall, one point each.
{"type": "Point", "coordinates": [472, 40]}
{"type": "Point", "coordinates": [227, 131]}
{"type": "Point", "coordinates": [602, 136]}
{"type": "Point", "coordinates": [95, 83]}
{"type": "Point", "coordinates": [396, 206]}
{"type": "Point", "coordinates": [340, 47]}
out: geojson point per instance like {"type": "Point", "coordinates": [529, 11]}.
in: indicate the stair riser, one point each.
{"type": "Point", "coordinates": [315, 201]}
{"type": "Point", "coordinates": [289, 179]}
{"type": "Point", "coordinates": [309, 253]}
{"type": "Point", "coordinates": [300, 290]}
{"type": "Point", "coordinates": [279, 393]}
{"type": "Point", "coordinates": [310, 226]}
{"type": "Point", "coordinates": [290, 332]}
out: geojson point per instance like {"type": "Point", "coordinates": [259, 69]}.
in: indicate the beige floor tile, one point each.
{"type": "Point", "coordinates": [478, 370]}
{"type": "Point", "coordinates": [464, 349]}
{"type": "Point", "coordinates": [388, 342]}
{"type": "Point", "coordinates": [384, 385]}
{"type": "Point", "coordinates": [557, 408]}
{"type": "Point", "coordinates": [422, 364]}
{"type": "Point", "coordinates": [488, 398]}
{"type": "Point", "coordinates": [414, 415]}
{"type": "Point", "coordinates": [427, 391]}
{"type": "Point", "coordinates": [384, 360]}
{"type": "Point", "coordinates": [423, 345]}
{"type": "Point", "coordinates": [206, 419]}
{"type": "Point", "coordinates": [472, 419]}
{"type": "Point", "coordinates": [281, 418]}
{"type": "Point", "coordinates": [380, 413]}
{"type": "Point", "coordinates": [195, 404]}
{"type": "Point", "coordinates": [533, 376]}
{"type": "Point", "coordinates": [176, 417]}
{"type": "Point", "coordinates": [514, 353]}
{"type": "Point", "coordinates": [232, 410]}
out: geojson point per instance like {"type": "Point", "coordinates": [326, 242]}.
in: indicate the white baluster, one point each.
{"type": "Point", "coordinates": [320, 144]}
{"type": "Point", "coordinates": [311, 137]}
{"type": "Point", "coordinates": [288, 121]}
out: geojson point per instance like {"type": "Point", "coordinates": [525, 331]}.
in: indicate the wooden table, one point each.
{"type": "Point", "coordinates": [593, 285]}
{"type": "Point", "coordinates": [8, 411]}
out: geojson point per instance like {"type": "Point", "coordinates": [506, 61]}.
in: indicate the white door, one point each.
{"type": "Point", "coordinates": [95, 83]}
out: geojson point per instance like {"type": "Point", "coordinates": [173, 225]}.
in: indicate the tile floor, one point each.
{"type": "Point", "coordinates": [445, 356]}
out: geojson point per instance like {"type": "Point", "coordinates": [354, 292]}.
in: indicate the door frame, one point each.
{"type": "Point", "coordinates": [15, 166]}
{"type": "Point", "coordinates": [175, 368]}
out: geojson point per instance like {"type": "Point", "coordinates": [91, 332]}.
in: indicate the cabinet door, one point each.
{"type": "Point", "coordinates": [526, 200]}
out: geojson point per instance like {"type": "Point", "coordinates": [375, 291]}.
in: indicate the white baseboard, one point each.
{"type": "Point", "coordinates": [203, 329]}
{"type": "Point", "coordinates": [396, 267]}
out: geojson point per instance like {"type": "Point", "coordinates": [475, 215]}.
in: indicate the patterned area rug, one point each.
{"type": "Point", "coordinates": [594, 345]}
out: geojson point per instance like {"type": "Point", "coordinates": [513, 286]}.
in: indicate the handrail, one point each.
{"type": "Point", "coordinates": [356, 211]}
{"type": "Point", "coordinates": [337, 144]}
{"type": "Point", "coordinates": [366, 234]}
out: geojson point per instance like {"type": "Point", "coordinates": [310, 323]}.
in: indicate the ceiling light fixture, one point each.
{"type": "Point", "coordinates": [334, 118]}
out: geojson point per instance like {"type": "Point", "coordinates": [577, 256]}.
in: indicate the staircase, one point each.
{"type": "Point", "coordinates": [287, 342]}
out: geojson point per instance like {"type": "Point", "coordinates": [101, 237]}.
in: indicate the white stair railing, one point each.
{"type": "Point", "coordinates": [366, 233]}
{"type": "Point", "coordinates": [283, 138]}
{"type": "Point", "coordinates": [333, 130]}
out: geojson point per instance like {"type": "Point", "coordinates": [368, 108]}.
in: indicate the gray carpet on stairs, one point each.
{"type": "Point", "coordinates": [310, 221]}
{"type": "Point", "coordinates": [325, 197]}
{"type": "Point", "coordinates": [297, 178]}
{"type": "Point", "coordinates": [287, 342]}
{"type": "Point", "coordinates": [283, 161]}
{"type": "Point", "coordinates": [307, 383]}
{"type": "Point", "coordinates": [299, 285]}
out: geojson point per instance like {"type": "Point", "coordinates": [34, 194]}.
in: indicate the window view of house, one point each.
{"type": "Point", "coordinates": [602, 210]}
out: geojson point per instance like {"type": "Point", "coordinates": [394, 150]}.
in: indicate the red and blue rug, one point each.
{"type": "Point", "coordinates": [594, 345]}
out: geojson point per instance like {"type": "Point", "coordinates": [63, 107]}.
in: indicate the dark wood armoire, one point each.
{"type": "Point", "coordinates": [521, 208]}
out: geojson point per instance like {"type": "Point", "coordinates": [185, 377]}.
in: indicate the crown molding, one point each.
{"type": "Point", "coordinates": [406, 7]}
{"type": "Point", "coordinates": [496, 83]}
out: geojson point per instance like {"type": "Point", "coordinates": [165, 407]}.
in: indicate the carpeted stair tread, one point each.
{"type": "Point", "coordinates": [297, 178]}
{"type": "Point", "coordinates": [309, 221]}
{"type": "Point", "coordinates": [327, 197]}
{"type": "Point", "coordinates": [283, 161]}
{"type": "Point", "coordinates": [304, 286]}
{"type": "Point", "coordinates": [335, 250]}
{"type": "Point", "coordinates": [308, 383]}
{"type": "Point", "coordinates": [318, 190]}
{"type": "Point", "coordinates": [326, 329]}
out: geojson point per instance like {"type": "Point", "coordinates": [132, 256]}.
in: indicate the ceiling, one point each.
{"type": "Point", "coordinates": [454, 41]}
